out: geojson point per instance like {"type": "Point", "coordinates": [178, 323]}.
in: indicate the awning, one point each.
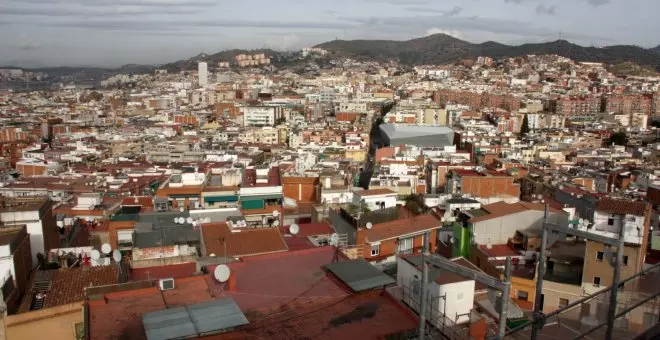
{"type": "Point", "coordinates": [213, 199]}
{"type": "Point", "coordinates": [261, 197]}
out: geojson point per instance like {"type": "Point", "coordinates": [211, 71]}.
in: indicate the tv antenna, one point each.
{"type": "Point", "coordinates": [221, 273]}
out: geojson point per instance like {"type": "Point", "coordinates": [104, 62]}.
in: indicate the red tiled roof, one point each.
{"type": "Point", "coordinates": [622, 207]}
{"type": "Point", "coordinates": [370, 315]}
{"type": "Point", "coordinates": [498, 250]}
{"type": "Point", "coordinates": [501, 208]}
{"type": "Point", "coordinates": [163, 272]}
{"type": "Point", "coordinates": [401, 227]}
{"type": "Point", "coordinates": [247, 242]}
{"type": "Point", "coordinates": [68, 285]}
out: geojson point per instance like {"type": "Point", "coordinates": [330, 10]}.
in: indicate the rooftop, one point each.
{"type": "Point", "coordinates": [68, 285]}
{"type": "Point", "coordinates": [621, 207]}
{"type": "Point", "coordinates": [218, 238]}
{"type": "Point", "coordinates": [375, 192]}
{"type": "Point", "coordinates": [401, 227]}
{"type": "Point", "coordinates": [502, 208]}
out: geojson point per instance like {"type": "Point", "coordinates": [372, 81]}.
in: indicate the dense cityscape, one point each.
{"type": "Point", "coordinates": [312, 195]}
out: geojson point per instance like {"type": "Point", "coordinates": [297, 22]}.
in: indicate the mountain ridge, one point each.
{"type": "Point", "coordinates": [441, 49]}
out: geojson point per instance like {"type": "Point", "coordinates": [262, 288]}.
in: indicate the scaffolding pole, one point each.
{"type": "Point", "coordinates": [425, 275]}
{"type": "Point", "coordinates": [536, 326]}
{"type": "Point", "coordinates": [611, 314]}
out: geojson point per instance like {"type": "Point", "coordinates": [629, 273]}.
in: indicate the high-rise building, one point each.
{"type": "Point", "coordinates": [203, 73]}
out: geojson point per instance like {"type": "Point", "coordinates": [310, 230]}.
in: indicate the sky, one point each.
{"type": "Point", "coordinates": [110, 33]}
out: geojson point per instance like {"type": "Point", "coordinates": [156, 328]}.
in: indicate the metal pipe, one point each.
{"type": "Point", "coordinates": [538, 316]}
{"type": "Point", "coordinates": [622, 313]}
{"type": "Point", "coordinates": [425, 275]}
{"type": "Point", "coordinates": [504, 301]}
{"type": "Point", "coordinates": [611, 314]}
{"type": "Point", "coordinates": [584, 299]}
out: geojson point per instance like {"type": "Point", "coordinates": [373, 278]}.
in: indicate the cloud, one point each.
{"type": "Point", "coordinates": [102, 3]}
{"type": "Point", "coordinates": [143, 25]}
{"type": "Point", "coordinates": [597, 3]}
{"type": "Point", "coordinates": [550, 10]}
{"type": "Point", "coordinates": [82, 11]}
{"type": "Point", "coordinates": [453, 33]}
{"type": "Point", "coordinates": [456, 10]}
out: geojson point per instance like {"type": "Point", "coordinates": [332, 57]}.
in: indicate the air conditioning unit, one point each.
{"type": "Point", "coordinates": [166, 284]}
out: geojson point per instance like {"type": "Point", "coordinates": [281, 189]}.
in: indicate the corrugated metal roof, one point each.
{"type": "Point", "coordinates": [193, 320]}
{"type": "Point", "coordinates": [359, 275]}
{"type": "Point", "coordinates": [215, 315]}
{"type": "Point", "coordinates": [172, 323]}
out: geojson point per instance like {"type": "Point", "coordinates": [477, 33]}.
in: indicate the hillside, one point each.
{"type": "Point", "coordinates": [656, 49]}
{"type": "Point", "coordinates": [191, 63]}
{"type": "Point", "coordinates": [441, 48]}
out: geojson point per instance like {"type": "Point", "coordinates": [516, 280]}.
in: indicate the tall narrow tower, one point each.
{"type": "Point", "coordinates": [203, 73]}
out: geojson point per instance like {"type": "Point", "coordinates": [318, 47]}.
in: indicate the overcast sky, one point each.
{"type": "Point", "coordinates": [117, 32]}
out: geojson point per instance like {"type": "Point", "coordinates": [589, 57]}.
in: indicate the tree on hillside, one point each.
{"type": "Point", "coordinates": [618, 138]}
{"type": "Point", "coordinates": [524, 127]}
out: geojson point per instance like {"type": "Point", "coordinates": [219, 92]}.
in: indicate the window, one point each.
{"type": "Point", "coordinates": [610, 221]}
{"type": "Point", "coordinates": [375, 249]}
{"type": "Point", "coordinates": [599, 256]}
{"type": "Point", "coordinates": [523, 295]}
{"type": "Point", "coordinates": [596, 281]}
{"type": "Point", "coordinates": [562, 303]}
{"type": "Point", "coordinates": [405, 245]}
{"type": "Point", "coordinates": [625, 260]}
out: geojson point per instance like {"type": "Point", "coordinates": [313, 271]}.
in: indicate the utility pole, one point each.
{"type": "Point", "coordinates": [537, 314]}
{"type": "Point", "coordinates": [422, 300]}
{"type": "Point", "coordinates": [504, 301]}
{"type": "Point", "coordinates": [611, 312]}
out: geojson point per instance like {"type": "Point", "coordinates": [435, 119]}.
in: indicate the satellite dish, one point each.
{"type": "Point", "coordinates": [95, 254]}
{"type": "Point", "coordinates": [176, 220]}
{"type": "Point", "coordinates": [294, 229]}
{"type": "Point", "coordinates": [276, 213]}
{"type": "Point", "coordinates": [189, 220]}
{"type": "Point", "coordinates": [106, 248]}
{"type": "Point", "coordinates": [182, 209]}
{"type": "Point", "coordinates": [369, 225]}
{"type": "Point", "coordinates": [116, 255]}
{"type": "Point", "coordinates": [276, 223]}
{"type": "Point", "coordinates": [221, 273]}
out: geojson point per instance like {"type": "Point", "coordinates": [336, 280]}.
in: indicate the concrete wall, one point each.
{"type": "Point", "coordinates": [55, 323]}
{"type": "Point", "coordinates": [553, 291]}
{"type": "Point", "coordinates": [499, 230]}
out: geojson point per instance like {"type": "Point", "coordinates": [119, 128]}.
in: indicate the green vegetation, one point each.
{"type": "Point", "coordinates": [524, 127]}
{"type": "Point", "coordinates": [619, 138]}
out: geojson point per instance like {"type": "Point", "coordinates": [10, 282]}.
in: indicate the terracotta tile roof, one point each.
{"type": "Point", "coordinates": [371, 315]}
{"type": "Point", "coordinates": [622, 207]}
{"type": "Point", "coordinates": [401, 227]}
{"type": "Point", "coordinates": [501, 208]}
{"type": "Point", "coordinates": [143, 201]}
{"type": "Point", "coordinates": [247, 242]}
{"type": "Point", "coordinates": [375, 192]}
{"type": "Point", "coordinates": [498, 250]}
{"type": "Point", "coordinates": [68, 285]}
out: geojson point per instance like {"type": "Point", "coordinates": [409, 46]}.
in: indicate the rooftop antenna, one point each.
{"type": "Point", "coordinates": [106, 248]}
{"type": "Point", "coordinates": [221, 273]}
